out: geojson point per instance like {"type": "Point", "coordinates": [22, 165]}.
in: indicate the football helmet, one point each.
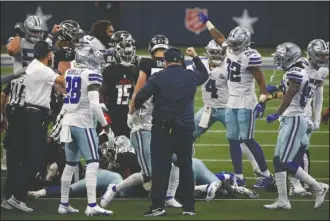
{"type": "Point", "coordinates": [121, 36]}
{"type": "Point", "coordinates": [215, 53]}
{"type": "Point", "coordinates": [125, 53]}
{"type": "Point", "coordinates": [286, 55]}
{"type": "Point", "coordinates": [239, 39]}
{"type": "Point", "coordinates": [89, 57]}
{"type": "Point", "coordinates": [70, 31]}
{"type": "Point", "coordinates": [318, 52]}
{"type": "Point", "coordinates": [123, 145]}
{"type": "Point", "coordinates": [33, 29]}
{"type": "Point", "coordinates": [158, 42]}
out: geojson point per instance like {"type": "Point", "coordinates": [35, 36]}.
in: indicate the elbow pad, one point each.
{"type": "Point", "coordinates": [95, 106]}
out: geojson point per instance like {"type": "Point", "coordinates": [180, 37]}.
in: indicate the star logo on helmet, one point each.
{"type": "Point", "coordinates": [246, 21]}
{"type": "Point", "coordinates": [44, 17]}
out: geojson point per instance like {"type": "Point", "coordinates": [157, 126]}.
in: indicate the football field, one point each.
{"type": "Point", "coordinates": [212, 148]}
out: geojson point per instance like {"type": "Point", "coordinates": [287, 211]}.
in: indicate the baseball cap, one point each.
{"type": "Point", "coordinates": [173, 55]}
{"type": "Point", "coordinates": [41, 49]}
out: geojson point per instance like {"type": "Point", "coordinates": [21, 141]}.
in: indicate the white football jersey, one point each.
{"type": "Point", "coordinates": [76, 102]}
{"type": "Point", "coordinates": [93, 42]}
{"type": "Point", "coordinates": [241, 86]}
{"type": "Point", "coordinates": [24, 58]}
{"type": "Point", "coordinates": [299, 101]}
{"type": "Point", "coordinates": [215, 90]}
{"type": "Point", "coordinates": [316, 78]}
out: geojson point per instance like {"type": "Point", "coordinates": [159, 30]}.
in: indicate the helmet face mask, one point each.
{"type": "Point", "coordinates": [125, 53]}
{"type": "Point", "coordinates": [158, 42]}
{"type": "Point", "coordinates": [318, 53]}
{"type": "Point", "coordinates": [33, 29]}
{"type": "Point", "coordinates": [239, 39]}
{"type": "Point", "coordinates": [89, 58]}
{"type": "Point", "coordinates": [70, 31]}
{"type": "Point", "coordinates": [215, 53]}
{"type": "Point", "coordinates": [286, 55]}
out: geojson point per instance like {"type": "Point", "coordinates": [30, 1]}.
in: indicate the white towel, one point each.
{"type": "Point", "coordinates": [204, 123]}
{"type": "Point", "coordinates": [65, 135]}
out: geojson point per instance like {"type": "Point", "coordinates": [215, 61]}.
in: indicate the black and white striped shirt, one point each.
{"type": "Point", "coordinates": [16, 91]}
{"type": "Point", "coordinates": [55, 133]}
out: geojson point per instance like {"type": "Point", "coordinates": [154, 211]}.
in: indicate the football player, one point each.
{"type": "Point", "coordinates": [118, 84]}
{"type": "Point", "coordinates": [243, 66]}
{"type": "Point", "coordinates": [140, 121]}
{"type": "Point", "coordinates": [78, 131]}
{"type": "Point", "coordinates": [101, 33]}
{"type": "Point", "coordinates": [215, 95]}
{"type": "Point", "coordinates": [293, 125]}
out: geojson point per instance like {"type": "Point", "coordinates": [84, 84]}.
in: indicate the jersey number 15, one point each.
{"type": "Point", "coordinates": [123, 93]}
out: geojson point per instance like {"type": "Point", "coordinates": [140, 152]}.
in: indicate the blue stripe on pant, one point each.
{"type": "Point", "coordinates": [240, 123]}
{"type": "Point", "coordinates": [291, 133]}
{"type": "Point", "coordinates": [85, 143]}
{"type": "Point", "coordinates": [141, 142]}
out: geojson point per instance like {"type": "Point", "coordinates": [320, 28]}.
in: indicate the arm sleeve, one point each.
{"type": "Point", "coordinates": [254, 60]}
{"type": "Point", "coordinates": [94, 98]}
{"type": "Point", "coordinates": [145, 93]}
{"type": "Point", "coordinates": [317, 103]}
{"type": "Point", "coordinates": [201, 71]}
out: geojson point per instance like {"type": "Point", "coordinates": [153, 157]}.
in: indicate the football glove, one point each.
{"type": "Point", "coordinates": [130, 120]}
{"type": "Point", "coordinates": [19, 29]}
{"type": "Point", "coordinates": [202, 17]}
{"type": "Point", "coordinates": [271, 89]}
{"type": "Point", "coordinates": [272, 117]}
{"type": "Point", "coordinates": [259, 110]}
{"type": "Point", "coordinates": [316, 125]}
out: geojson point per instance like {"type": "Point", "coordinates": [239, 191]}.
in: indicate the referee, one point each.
{"type": "Point", "coordinates": [173, 90]}
{"type": "Point", "coordinates": [13, 142]}
{"type": "Point", "coordinates": [39, 80]}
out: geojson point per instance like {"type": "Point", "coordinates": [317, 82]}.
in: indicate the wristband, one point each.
{"type": "Point", "coordinates": [209, 25]}
{"type": "Point", "coordinates": [263, 98]}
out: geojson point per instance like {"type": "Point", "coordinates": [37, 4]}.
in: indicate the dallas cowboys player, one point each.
{"type": "Point", "coordinates": [243, 66]}
{"type": "Point", "coordinates": [78, 130]}
{"type": "Point", "coordinates": [293, 125]}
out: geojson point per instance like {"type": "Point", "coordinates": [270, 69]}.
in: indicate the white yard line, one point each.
{"type": "Point", "coordinates": [267, 131]}
{"type": "Point", "coordinates": [262, 145]}
{"type": "Point", "coordinates": [229, 160]}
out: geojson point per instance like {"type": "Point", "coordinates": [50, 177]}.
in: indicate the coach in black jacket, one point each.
{"type": "Point", "coordinates": [173, 90]}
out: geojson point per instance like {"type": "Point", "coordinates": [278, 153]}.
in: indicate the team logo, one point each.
{"type": "Point", "coordinates": [191, 20]}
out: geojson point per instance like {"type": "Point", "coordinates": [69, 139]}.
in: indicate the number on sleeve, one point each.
{"type": "Point", "coordinates": [305, 93]}
{"type": "Point", "coordinates": [123, 93]}
{"type": "Point", "coordinates": [234, 71]}
{"type": "Point", "coordinates": [73, 90]}
{"type": "Point", "coordinates": [210, 87]}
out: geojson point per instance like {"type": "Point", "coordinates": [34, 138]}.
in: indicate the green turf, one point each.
{"type": "Point", "coordinates": [212, 148]}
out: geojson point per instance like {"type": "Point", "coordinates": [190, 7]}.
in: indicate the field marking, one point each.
{"type": "Point", "coordinates": [229, 160]}
{"type": "Point", "coordinates": [262, 145]}
{"type": "Point", "coordinates": [267, 131]}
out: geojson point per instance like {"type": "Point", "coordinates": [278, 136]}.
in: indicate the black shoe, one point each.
{"type": "Point", "coordinates": [189, 213]}
{"type": "Point", "coordinates": [155, 212]}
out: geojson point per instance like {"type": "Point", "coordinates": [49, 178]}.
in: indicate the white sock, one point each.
{"type": "Point", "coordinates": [306, 162]}
{"type": "Point", "coordinates": [295, 182]}
{"type": "Point", "coordinates": [280, 179]}
{"type": "Point", "coordinates": [66, 182]}
{"type": "Point", "coordinates": [248, 154]}
{"type": "Point", "coordinates": [303, 176]}
{"type": "Point", "coordinates": [266, 173]}
{"type": "Point", "coordinates": [76, 174]}
{"type": "Point", "coordinates": [239, 176]}
{"type": "Point", "coordinates": [132, 180]}
{"type": "Point", "coordinates": [91, 179]}
{"type": "Point", "coordinates": [202, 188]}
{"type": "Point", "coordinates": [174, 181]}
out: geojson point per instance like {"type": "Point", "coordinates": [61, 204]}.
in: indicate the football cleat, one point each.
{"type": "Point", "coordinates": [321, 194]}
{"type": "Point", "coordinates": [34, 194]}
{"type": "Point", "coordinates": [212, 189]}
{"type": "Point", "coordinates": [297, 190]}
{"type": "Point", "coordinates": [66, 209]}
{"type": "Point", "coordinates": [278, 205]}
{"type": "Point", "coordinates": [155, 212]}
{"type": "Point", "coordinates": [108, 195]}
{"type": "Point", "coordinates": [265, 182]}
{"type": "Point", "coordinates": [5, 205]}
{"type": "Point", "coordinates": [97, 211]}
{"type": "Point", "coordinates": [171, 202]}
{"type": "Point", "coordinates": [19, 205]}
{"type": "Point", "coordinates": [189, 213]}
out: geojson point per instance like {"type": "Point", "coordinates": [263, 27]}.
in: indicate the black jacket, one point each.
{"type": "Point", "coordinates": [173, 90]}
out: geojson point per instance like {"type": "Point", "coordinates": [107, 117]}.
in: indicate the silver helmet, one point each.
{"type": "Point", "coordinates": [123, 145]}
{"type": "Point", "coordinates": [215, 53]}
{"type": "Point", "coordinates": [318, 52]}
{"type": "Point", "coordinates": [33, 29]}
{"type": "Point", "coordinates": [286, 55]}
{"type": "Point", "coordinates": [89, 57]}
{"type": "Point", "coordinates": [239, 39]}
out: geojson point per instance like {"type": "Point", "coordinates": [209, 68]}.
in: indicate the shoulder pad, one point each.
{"type": "Point", "coordinates": [94, 78]}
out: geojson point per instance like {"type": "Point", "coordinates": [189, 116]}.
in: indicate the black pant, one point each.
{"type": "Point", "coordinates": [34, 152]}
{"type": "Point", "coordinates": [13, 143]}
{"type": "Point", "coordinates": [119, 121]}
{"type": "Point", "coordinates": [166, 139]}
